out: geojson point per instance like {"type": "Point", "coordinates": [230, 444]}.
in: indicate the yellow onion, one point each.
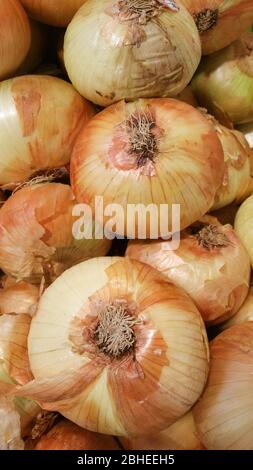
{"type": "Point", "coordinates": [10, 430]}
{"type": "Point", "coordinates": [15, 36]}
{"type": "Point", "coordinates": [245, 313]}
{"type": "Point", "coordinates": [182, 435]}
{"type": "Point", "coordinates": [244, 225]}
{"type": "Point", "coordinates": [220, 22]}
{"type": "Point", "coordinates": [37, 50]}
{"type": "Point", "coordinates": [142, 49]}
{"type": "Point", "coordinates": [40, 120]}
{"type": "Point", "coordinates": [36, 238]}
{"type": "Point", "coordinates": [18, 297]}
{"type": "Point", "coordinates": [247, 130]}
{"type": "Point", "coordinates": [224, 413]}
{"type": "Point", "coordinates": [126, 352]}
{"type": "Point", "coordinates": [237, 182]}
{"type": "Point", "coordinates": [224, 81]}
{"type": "Point", "coordinates": [52, 12]}
{"type": "Point", "coordinates": [211, 265]}
{"type": "Point", "coordinates": [66, 435]}
{"type": "Point", "coordinates": [159, 151]}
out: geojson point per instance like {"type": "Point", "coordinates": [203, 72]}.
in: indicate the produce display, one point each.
{"type": "Point", "coordinates": [126, 225]}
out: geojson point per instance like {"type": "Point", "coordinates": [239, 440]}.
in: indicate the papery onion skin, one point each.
{"type": "Point", "coordinates": [244, 226]}
{"type": "Point", "coordinates": [36, 237]}
{"type": "Point", "coordinates": [15, 36]}
{"type": "Point", "coordinates": [38, 49]}
{"type": "Point", "coordinates": [227, 21]}
{"type": "Point", "coordinates": [187, 168]}
{"type": "Point", "coordinates": [245, 313]}
{"type": "Point", "coordinates": [224, 82]}
{"type": "Point", "coordinates": [182, 435]}
{"type": "Point", "coordinates": [18, 297]}
{"type": "Point", "coordinates": [10, 432]}
{"type": "Point", "coordinates": [141, 391]}
{"type": "Point", "coordinates": [216, 278]}
{"type": "Point", "coordinates": [66, 435]}
{"type": "Point", "coordinates": [41, 117]}
{"type": "Point", "coordinates": [223, 415]}
{"type": "Point", "coordinates": [53, 12]}
{"type": "Point", "coordinates": [134, 59]}
{"type": "Point", "coordinates": [247, 130]}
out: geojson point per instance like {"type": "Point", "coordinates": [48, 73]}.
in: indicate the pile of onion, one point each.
{"type": "Point", "coordinates": [220, 22]}
{"type": "Point", "coordinates": [158, 151]}
{"type": "Point", "coordinates": [237, 182]}
{"type": "Point", "coordinates": [126, 352]}
{"type": "Point", "coordinates": [224, 81]}
{"type": "Point", "coordinates": [66, 435]}
{"type": "Point", "coordinates": [40, 120]}
{"type": "Point", "coordinates": [142, 49]}
{"type": "Point", "coordinates": [36, 238]}
{"type": "Point", "coordinates": [244, 225]}
{"type": "Point", "coordinates": [211, 265]}
{"type": "Point", "coordinates": [54, 12]}
{"type": "Point", "coordinates": [182, 435]}
{"type": "Point", "coordinates": [15, 37]}
{"type": "Point", "coordinates": [224, 414]}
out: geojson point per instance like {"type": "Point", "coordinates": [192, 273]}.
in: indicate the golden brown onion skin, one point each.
{"type": "Point", "coordinates": [18, 297]}
{"type": "Point", "coordinates": [41, 117]}
{"type": "Point", "coordinates": [53, 12]}
{"type": "Point", "coordinates": [15, 36]}
{"type": "Point", "coordinates": [223, 415]}
{"type": "Point", "coordinates": [36, 237]}
{"type": "Point", "coordinates": [187, 167]}
{"type": "Point", "coordinates": [230, 20]}
{"type": "Point", "coordinates": [216, 278]}
{"type": "Point", "coordinates": [66, 435]}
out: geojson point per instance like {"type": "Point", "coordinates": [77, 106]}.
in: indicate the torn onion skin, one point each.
{"type": "Point", "coordinates": [18, 297]}
{"type": "Point", "coordinates": [211, 264]}
{"type": "Point", "coordinates": [220, 22]}
{"type": "Point", "coordinates": [30, 140]}
{"type": "Point", "coordinates": [15, 36]}
{"type": "Point", "coordinates": [36, 239]}
{"type": "Point", "coordinates": [53, 12]}
{"type": "Point", "coordinates": [66, 435]}
{"type": "Point", "coordinates": [223, 415]}
{"type": "Point", "coordinates": [139, 377]}
{"type": "Point", "coordinates": [182, 435]}
{"type": "Point", "coordinates": [157, 151]}
{"type": "Point", "coordinates": [143, 49]}
{"type": "Point", "coordinates": [224, 82]}
{"type": "Point", "coordinates": [244, 225]}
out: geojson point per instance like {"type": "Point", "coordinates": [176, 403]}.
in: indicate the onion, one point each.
{"type": "Point", "coordinates": [18, 297]}
{"type": "Point", "coordinates": [142, 49]}
{"type": "Point", "coordinates": [247, 130]}
{"type": "Point", "coordinates": [40, 120]}
{"type": "Point", "coordinates": [182, 435]}
{"type": "Point", "coordinates": [38, 48]}
{"type": "Point", "coordinates": [224, 81]}
{"type": "Point", "coordinates": [220, 22]}
{"type": "Point", "coordinates": [36, 237]}
{"type": "Point", "coordinates": [244, 225]}
{"type": "Point", "coordinates": [10, 432]}
{"type": "Point", "coordinates": [245, 313]}
{"type": "Point", "coordinates": [15, 37]}
{"type": "Point", "coordinates": [224, 413]}
{"type": "Point", "coordinates": [126, 352]}
{"type": "Point", "coordinates": [237, 183]}
{"type": "Point", "coordinates": [68, 436]}
{"type": "Point", "coordinates": [53, 12]}
{"type": "Point", "coordinates": [211, 265]}
{"type": "Point", "coordinates": [159, 151]}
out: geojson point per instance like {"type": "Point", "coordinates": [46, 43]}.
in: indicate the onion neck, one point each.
{"type": "Point", "coordinates": [143, 142]}
{"type": "Point", "coordinates": [206, 19]}
{"type": "Point", "coordinates": [210, 236]}
{"type": "Point", "coordinates": [142, 10]}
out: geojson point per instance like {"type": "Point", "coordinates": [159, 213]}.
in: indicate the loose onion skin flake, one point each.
{"type": "Point", "coordinates": [220, 22]}
{"type": "Point", "coordinates": [15, 36]}
{"type": "Point", "coordinates": [142, 49]}
{"type": "Point", "coordinates": [36, 238]}
{"type": "Point", "coordinates": [223, 415]}
{"type": "Point", "coordinates": [211, 264]}
{"type": "Point", "coordinates": [53, 12]}
{"type": "Point", "coordinates": [158, 151]}
{"type": "Point", "coordinates": [40, 119]}
{"type": "Point", "coordinates": [126, 352]}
